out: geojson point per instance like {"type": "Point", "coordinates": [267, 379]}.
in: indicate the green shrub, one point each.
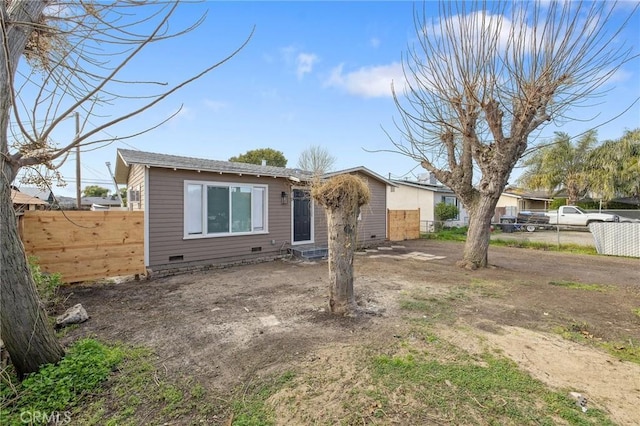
{"type": "Point", "coordinates": [557, 202]}
{"type": "Point", "coordinates": [444, 211]}
{"type": "Point", "coordinates": [57, 388]}
{"type": "Point", "coordinates": [46, 284]}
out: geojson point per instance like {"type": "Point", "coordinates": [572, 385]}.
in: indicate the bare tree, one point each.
{"type": "Point", "coordinates": [316, 159]}
{"type": "Point", "coordinates": [341, 196]}
{"type": "Point", "coordinates": [75, 55]}
{"type": "Point", "coordinates": [487, 75]}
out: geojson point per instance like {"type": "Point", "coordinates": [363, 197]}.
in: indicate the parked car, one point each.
{"type": "Point", "coordinates": [574, 215]}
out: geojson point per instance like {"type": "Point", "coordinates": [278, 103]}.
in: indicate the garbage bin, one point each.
{"type": "Point", "coordinates": [508, 227]}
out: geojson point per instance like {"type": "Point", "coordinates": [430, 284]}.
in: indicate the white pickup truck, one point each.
{"type": "Point", "coordinates": [573, 215]}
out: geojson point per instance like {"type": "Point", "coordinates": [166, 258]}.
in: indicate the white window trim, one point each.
{"type": "Point", "coordinates": [187, 236]}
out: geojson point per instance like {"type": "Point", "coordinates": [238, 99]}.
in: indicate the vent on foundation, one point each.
{"type": "Point", "coordinates": [175, 258]}
{"type": "Point", "coordinates": [254, 249]}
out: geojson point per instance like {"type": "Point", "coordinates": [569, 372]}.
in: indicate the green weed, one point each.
{"type": "Point", "coordinates": [581, 286]}
{"type": "Point", "coordinates": [628, 350]}
{"type": "Point", "coordinates": [463, 392]}
{"type": "Point", "coordinates": [251, 408]}
{"type": "Point", "coordinates": [57, 388]}
{"type": "Point", "coordinates": [47, 285]}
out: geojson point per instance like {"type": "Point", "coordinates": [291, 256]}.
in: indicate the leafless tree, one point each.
{"type": "Point", "coordinates": [76, 54]}
{"type": "Point", "coordinates": [316, 159]}
{"type": "Point", "coordinates": [486, 76]}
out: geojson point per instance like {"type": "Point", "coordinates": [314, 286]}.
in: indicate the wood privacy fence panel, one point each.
{"type": "Point", "coordinates": [85, 245]}
{"type": "Point", "coordinates": [403, 224]}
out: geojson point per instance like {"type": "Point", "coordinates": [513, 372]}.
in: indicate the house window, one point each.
{"type": "Point", "coordinates": [134, 195]}
{"type": "Point", "coordinates": [217, 209]}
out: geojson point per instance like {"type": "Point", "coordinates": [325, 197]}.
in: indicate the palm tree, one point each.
{"type": "Point", "coordinates": [616, 166]}
{"type": "Point", "coordinates": [561, 165]}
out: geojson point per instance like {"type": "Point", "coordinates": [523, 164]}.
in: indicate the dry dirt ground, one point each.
{"type": "Point", "coordinates": [228, 326]}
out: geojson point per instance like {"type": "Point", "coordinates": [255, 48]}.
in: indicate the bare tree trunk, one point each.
{"type": "Point", "coordinates": [27, 335]}
{"type": "Point", "coordinates": [479, 233]}
{"type": "Point", "coordinates": [342, 226]}
{"type": "Point", "coordinates": [24, 329]}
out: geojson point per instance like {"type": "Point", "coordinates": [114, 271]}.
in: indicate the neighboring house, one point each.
{"type": "Point", "coordinates": [372, 222]}
{"type": "Point", "coordinates": [23, 202]}
{"type": "Point", "coordinates": [200, 212]}
{"type": "Point", "coordinates": [424, 195]}
{"type": "Point", "coordinates": [514, 200]}
{"type": "Point", "coordinates": [100, 203]}
{"type": "Point", "coordinates": [42, 194]}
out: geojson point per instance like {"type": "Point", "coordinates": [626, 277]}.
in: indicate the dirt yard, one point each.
{"type": "Point", "coordinates": [227, 326]}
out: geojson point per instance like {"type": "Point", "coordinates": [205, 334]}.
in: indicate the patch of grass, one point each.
{"type": "Point", "coordinates": [58, 388]}
{"type": "Point", "coordinates": [447, 234]}
{"type": "Point", "coordinates": [486, 288]}
{"type": "Point", "coordinates": [62, 332]}
{"type": "Point", "coordinates": [581, 286]}
{"type": "Point", "coordinates": [535, 245]}
{"type": "Point", "coordinates": [465, 392]}
{"type": "Point", "coordinates": [141, 393]}
{"type": "Point", "coordinates": [636, 312]}
{"type": "Point", "coordinates": [433, 306]}
{"type": "Point", "coordinates": [251, 409]}
{"type": "Point", "coordinates": [460, 234]}
{"type": "Point", "coordinates": [113, 385]}
{"type": "Point", "coordinates": [628, 350]}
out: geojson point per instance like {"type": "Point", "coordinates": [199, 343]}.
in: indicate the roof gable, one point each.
{"type": "Point", "coordinates": [424, 186]}
{"type": "Point", "coordinates": [18, 197]}
{"type": "Point", "coordinates": [360, 169]}
{"type": "Point", "coordinates": [126, 158]}
{"type": "Point", "coordinates": [43, 194]}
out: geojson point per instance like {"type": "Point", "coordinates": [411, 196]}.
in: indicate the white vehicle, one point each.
{"type": "Point", "coordinates": [574, 215]}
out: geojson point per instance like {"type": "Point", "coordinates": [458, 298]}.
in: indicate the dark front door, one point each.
{"type": "Point", "coordinates": [301, 215]}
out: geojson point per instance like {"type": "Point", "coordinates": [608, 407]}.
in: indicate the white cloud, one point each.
{"type": "Point", "coordinates": [368, 82]}
{"type": "Point", "coordinates": [482, 24]}
{"type": "Point", "coordinates": [304, 64]}
{"type": "Point", "coordinates": [375, 42]}
{"type": "Point", "coordinates": [302, 61]}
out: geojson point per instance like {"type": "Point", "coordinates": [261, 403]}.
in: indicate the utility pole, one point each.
{"type": "Point", "coordinates": [78, 183]}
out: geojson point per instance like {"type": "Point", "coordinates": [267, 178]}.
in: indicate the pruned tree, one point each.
{"type": "Point", "coordinates": [341, 196]}
{"type": "Point", "coordinates": [486, 76]}
{"type": "Point", "coordinates": [76, 54]}
{"type": "Point", "coordinates": [561, 166]}
{"type": "Point", "coordinates": [317, 160]}
{"type": "Point", "coordinates": [271, 156]}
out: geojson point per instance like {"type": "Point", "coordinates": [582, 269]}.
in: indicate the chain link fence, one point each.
{"type": "Point", "coordinates": [617, 239]}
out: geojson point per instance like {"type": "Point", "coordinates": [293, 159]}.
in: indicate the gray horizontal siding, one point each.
{"type": "Point", "coordinates": [373, 225]}
{"type": "Point", "coordinates": [136, 182]}
{"type": "Point", "coordinates": [166, 222]}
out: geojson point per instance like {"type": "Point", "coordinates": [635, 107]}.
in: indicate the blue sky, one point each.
{"type": "Point", "coordinates": [314, 73]}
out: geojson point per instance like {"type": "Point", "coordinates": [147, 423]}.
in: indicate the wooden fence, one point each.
{"type": "Point", "coordinates": [85, 245]}
{"type": "Point", "coordinates": [403, 224]}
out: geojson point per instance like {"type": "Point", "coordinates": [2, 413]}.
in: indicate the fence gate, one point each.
{"type": "Point", "coordinates": [85, 245]}
{"type": "Point", "coordinates": [403, 224]}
